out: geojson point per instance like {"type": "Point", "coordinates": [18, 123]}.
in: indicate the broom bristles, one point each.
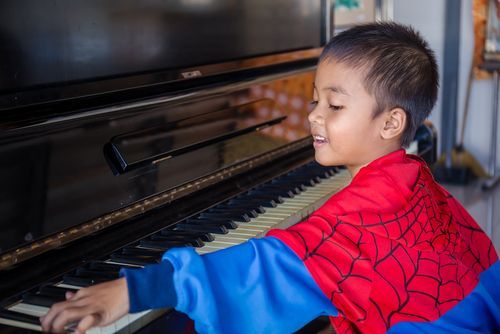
{"type": "Point", "coordinates": [461, 158]}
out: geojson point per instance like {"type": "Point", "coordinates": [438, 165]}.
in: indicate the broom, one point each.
{"type": "Point", "coordinates": [464, 165]}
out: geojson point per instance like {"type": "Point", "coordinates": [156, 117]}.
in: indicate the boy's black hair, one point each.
{"type": "Point", "coordinates": [400, 68]}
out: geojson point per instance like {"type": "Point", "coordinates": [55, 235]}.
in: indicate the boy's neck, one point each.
{"type": "Point", "coordinates": [354, 169]}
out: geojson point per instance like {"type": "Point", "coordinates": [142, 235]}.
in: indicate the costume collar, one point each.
{"type": "Point", "coordinates": [384, 185]}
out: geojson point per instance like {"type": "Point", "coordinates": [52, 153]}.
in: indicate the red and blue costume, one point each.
{"type": "Point", "coordinates": [392, 247]}
{"type": "Point", "coordinates": [392, 252]}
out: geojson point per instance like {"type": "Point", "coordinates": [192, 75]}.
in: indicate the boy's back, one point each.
{"type": "Point", "coordinates": [404, 249]}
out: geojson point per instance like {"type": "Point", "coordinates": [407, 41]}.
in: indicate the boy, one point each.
{"type": "Point", "coordinates": [393, 251]}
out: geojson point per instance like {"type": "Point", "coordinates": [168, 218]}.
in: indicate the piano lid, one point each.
{"type": "Point", "coordinates": [58, 175]}
{"type": "Point", "coordinates": [86, 49]}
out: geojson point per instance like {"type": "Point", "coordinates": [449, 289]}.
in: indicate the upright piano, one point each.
{"type": "Point", "coordinates": [131, 127]}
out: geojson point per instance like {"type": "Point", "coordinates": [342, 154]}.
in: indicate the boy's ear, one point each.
{"type": "Point", "coordinates": [394, 123]}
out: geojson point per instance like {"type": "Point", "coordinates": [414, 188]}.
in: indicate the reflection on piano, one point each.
{"type": "Point", "coordinates": [107, 164]}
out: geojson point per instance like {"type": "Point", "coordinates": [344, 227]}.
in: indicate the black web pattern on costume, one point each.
{"type": "Point", "coordinates": [423, 247]}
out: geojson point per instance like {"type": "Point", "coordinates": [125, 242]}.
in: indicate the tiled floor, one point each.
{"type": "Point", "coordinates": [483, 205]}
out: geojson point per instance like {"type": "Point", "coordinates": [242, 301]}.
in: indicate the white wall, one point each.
{"type": "Point", "coordinates": [478, 123]}
{"type": "Point", "coordinates": [428, 17]}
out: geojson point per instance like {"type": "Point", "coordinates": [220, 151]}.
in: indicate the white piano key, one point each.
{"type": "Point", "coordinates": [38, 311]}
{"type": "Point", "coordinates": [127, 324]}
{"type": "Point", "coordinates": [20, 324]}
{"type": "Point", "coordinates": [222, 244]}
{"type": "Point", "coordinates": [34, 310]}
{"type": "Point", "coordinates": [109, 329]}
{"type": "Point", "coordinates": [235, 238]}
{"type": "Point", "coordinates": [291, 211]}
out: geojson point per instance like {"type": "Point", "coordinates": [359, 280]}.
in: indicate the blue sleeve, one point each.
{"type": "Point", "coordinates": [260, 286]}
{"type": "Point", "coordinates": [150, 287]}
{"type": "Point", "coordinates": [478, 312]}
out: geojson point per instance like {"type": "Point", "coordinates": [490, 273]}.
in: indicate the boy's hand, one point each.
{"type": "Point", "coordinates": [99, 305]}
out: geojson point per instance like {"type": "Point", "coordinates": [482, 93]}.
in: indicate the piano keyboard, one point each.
{"type": "Point", "coordinates": [279, 203]}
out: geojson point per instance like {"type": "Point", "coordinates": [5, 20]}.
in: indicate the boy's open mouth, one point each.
{"type": "Point", "coordinates": [319, 139]}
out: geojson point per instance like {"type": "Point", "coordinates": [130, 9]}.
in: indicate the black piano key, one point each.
{"type": "Point", "coordinates": [243, 217]}
{"type": "Point", "coordinates": [227, 208]}
{"type": "Point", "coordinates": [202, 228]}
{"type": "Point", "coordinates": [211, 219]}
{"type": "Point", "coordinates": [300, 186]}
{"type": "Point", "coordinates": [134, 259]}
{"type": "Point", "coordinates": [242, 206]}
{"type": "Point", "coordinates": [264, 193]}
{"type": "Point", "coordinates": [324, 173]}
{"type": "Point", "coordinates": [104, 266]}
{"type": "Point", "coordinates": [21, 317]}
{"type": "Point", "coordinates": [272, 192]}
{"type": "Point", "coordinates": [229, 224]}
{"type": "Point", "coordinates": [281, 186]}
{"type": "Point", "coordinates": [302, 176]}
{"type": "Point", "coordinates": [82, 281]}
{"type": "Point", "coordinates": [41, 300]}
{"type": "Point", "coordinates": [286, 189]}
{"type": "Point", "coordinates": [265, 201]}
{"type": "Point", "coordinates": [155, 245]}
{"type": "Point", "coordinates": [311, 173]}
{"type": "Point", "coordinates": [260, 194]}
{"type": "Point", "coordinates": [162, 245]}
{"type": "Point", "coordinates": [54, 291]}
{"type": "Point", "coordinates": [228, 211]}
{"type": "Point", "coordinates": [99, 265]}
{"type": "Point", "coordinates": [98, 274]}
{"type": "Point", "coordinates": [305, 180]}
{"type": "Point", "coordinates": [173, 237]}
{"type": "Point", "coordinates": [269, 203]}
{"type": "Point", "coordinates": [195, 242]}
{"type": "Point", "coordinates": [142, 252]}
{"type": "Point", "coordinates": [204, 236]}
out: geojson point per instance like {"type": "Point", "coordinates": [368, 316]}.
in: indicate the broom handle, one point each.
{"type": "Point", "coordinates": [494, 125]}
{"type": "Point", "coordinates": [466, 104]}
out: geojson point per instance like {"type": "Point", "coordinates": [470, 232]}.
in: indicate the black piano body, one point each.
{"type": "Point", "coordinates": [122, 122]}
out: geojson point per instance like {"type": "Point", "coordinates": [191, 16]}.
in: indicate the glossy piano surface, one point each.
{"type": "Point", "coordinates": [57, 174]}
{"type": "Point", "coordinates": [127, 128]}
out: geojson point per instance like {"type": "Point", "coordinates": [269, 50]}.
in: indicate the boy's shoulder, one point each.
{"type": "Point", "coordinates": [385, 185]}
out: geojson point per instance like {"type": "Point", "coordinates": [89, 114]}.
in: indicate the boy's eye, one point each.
{"type": "Point", "coordinates": [334, 107]}
{"type": "Point", "coordinates": [313, 102]}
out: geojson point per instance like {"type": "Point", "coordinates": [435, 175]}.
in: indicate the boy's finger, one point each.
{"type": "Point", "coordinates": [87, 322]}
{"type": "Point", "coordinates": [47, 319]}
{"type": "Point", "coordinates": [69, 295]}
{"type": "Point", "coordinates": [68, 316]}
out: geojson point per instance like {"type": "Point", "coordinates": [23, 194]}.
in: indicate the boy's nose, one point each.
{"type": "Point", "coordinates": [314, 116]}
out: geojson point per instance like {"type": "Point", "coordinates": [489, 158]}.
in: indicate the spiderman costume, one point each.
{"type": "Point", "coordinates": [393, 246]}
{"type": "Point", "coordinates": [392, 252]}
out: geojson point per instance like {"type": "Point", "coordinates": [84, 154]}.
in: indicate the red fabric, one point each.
{"type": "Point", "coordinates": [392, 246]}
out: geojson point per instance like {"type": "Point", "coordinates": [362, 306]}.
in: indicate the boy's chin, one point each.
{"type": "Point", "coordinates": [326, 162]}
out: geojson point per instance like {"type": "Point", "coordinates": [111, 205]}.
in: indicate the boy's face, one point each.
{"type": "Point", "coordinates": [342, 123]}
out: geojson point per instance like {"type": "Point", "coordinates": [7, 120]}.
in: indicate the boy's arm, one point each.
{"type": "Point", "coordinates": [258, 286]}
